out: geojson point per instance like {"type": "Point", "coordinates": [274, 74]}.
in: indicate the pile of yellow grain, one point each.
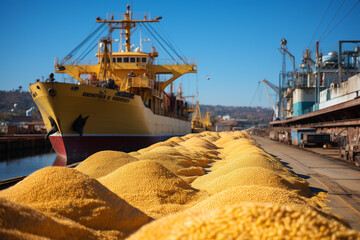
{"type": "Point", "coordinates": [18, 221]}
{"type": "Point", "coordinates": [247, 221]}
{"type": "Point", "coordinates": [173, 160]}
{"type": "Point", "coordinates": [152, 188]}
{"type": "Point", "coordinates": [159, 144]}
{"type": "Point", "coordinates": [104, 162]}
{"type": "Point", "coordinates": [202, 147]}
{"type": "Point", "coordinates": [68, 193]}
{"type": "Point", "coordinates": [243, 177]}
{"type": "Point", "coordinates": [210, 136]}
{"type": "Point", "coordinates": [175, 140]}
{"type": "Point", "coordinates": [252, 193]}
{"type": "Point", "coordinates": [226, 171]}
{"type": "Point", "coordinates": [198, 159]}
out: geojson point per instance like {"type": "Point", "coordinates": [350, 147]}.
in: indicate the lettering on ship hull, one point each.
{"type": "Point", "coordinates": [103, 96]}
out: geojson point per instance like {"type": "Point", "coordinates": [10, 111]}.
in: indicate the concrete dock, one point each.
{"type": "Point", "coordinates": [340, 180]}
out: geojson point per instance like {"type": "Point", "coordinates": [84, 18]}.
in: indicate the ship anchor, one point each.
{"type": "Point", "coordinates": [79, 123]}
{"type": "Point", "coordinates": [54, 128]}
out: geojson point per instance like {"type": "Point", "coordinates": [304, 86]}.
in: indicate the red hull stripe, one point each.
{"type": "Point", "coordinates": [76, 148]}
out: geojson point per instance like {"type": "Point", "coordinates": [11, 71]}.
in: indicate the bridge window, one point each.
{"type": "Point", "coordinates": [114, 60]}
{"type": "Point", "coordinates": [132, 59]}
{"type": "Point", "coordinates": [119, 59]}
{"type": "Point", "coordinates": [137, 59]}
{"type": "Point", "coordinates": [143, 60]}
{"type": "Point", "coordinates": [126, 60]}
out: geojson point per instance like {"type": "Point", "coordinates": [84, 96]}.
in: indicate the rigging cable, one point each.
{"type": "Point", "coordinates": [166, 39]}
{"type": "Point", "coordinates": [332, 19]}
{"type": "Point", "coordinates": [169, 45]}
{"type": "Point", "coordinates": [76, 49]}
{"type": "Point", "coordinates": [319, 24]}
{"type": "Point", "coordinates": [143, 24]}
{"type": "Point", "coordinates": [256, 90]}
{"type": "Point", "coordinates": [342, 19]}
{"type": "Point", "coordinates": [84, 54]}
{"type": "Point", "coordinates": [163, 31]}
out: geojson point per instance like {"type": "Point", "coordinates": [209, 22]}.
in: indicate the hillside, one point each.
{"type": "Point", "coordinates": [22, 100]}
{"type": "Point", "coordinates": [259, 114]}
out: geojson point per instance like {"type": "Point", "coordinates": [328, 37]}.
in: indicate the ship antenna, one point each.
{"type": "Point", "coordinates": [132, 8]}
{"type": "Point", "coordinates": [127, 24]}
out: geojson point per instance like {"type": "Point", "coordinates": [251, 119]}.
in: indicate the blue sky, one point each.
{"type": "Point", "coordinates": [236, 42]}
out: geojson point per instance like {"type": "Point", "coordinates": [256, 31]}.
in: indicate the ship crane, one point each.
{"type": "Point", "coordinates": [276, 90]}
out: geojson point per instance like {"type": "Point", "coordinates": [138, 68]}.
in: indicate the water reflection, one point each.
{"type": "Point", "coordinates": [59, 161]}
{"type": "Point", "coordinates": [15, 153]}
{"type": "Point", "coordinates": [25, 166]}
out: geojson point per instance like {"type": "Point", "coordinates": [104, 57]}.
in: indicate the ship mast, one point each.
{"type": "Point", "coordinates": [126, 24]}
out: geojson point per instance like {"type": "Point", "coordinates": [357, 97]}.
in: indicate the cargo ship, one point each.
{"type": "Point", "coordinates": [319, 102]}
{"type": "Point", "coordinates": [119, 101]}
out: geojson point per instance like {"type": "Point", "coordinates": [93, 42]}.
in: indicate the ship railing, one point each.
{"type": "Point", "coordinates": [182, 61]}
{"type": "Point", "coordinates": [62, 62]}
{"type": "Point", "coordinates": [138, 82]}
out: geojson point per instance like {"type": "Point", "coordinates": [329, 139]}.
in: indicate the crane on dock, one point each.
{"type": "Point", "coordinates": [276, 90]}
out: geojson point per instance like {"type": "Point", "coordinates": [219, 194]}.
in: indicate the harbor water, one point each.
{"type": "Point", "coordinates": [26, 165]}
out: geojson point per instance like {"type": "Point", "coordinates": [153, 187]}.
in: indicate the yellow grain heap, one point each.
{"type": "Point", "coordinates": [242, 177]}
{"type": "Point", "coordinates": [66, 192]}
{"type": "Point", "coordinates": [254, 196]}
{"type": "Point", "coordinates": [175, 140]}
{"type": "Point", "coordinates": [210, 136]}
{"type": "Point", "coordinates": [156, 145]}
{"type": "Point", "coordinates": [198, 142]}
{"type": "Point", "coordinates": [202, 147]}
{"type": "Point", "coordinates": [190, 135]}
{"type": "Point", "coordinates": [191, 171]}
{"type": "Point", "coordinates": [18, 221]}
{"type": "Point", "coordinates": [104, 162]}
{"type": "Point", "coordinates": [225, 139]}
{"type": "Point", "coordinates": [152, 188]}
{"type": "Point", "coordinates": [198, 159]}
{"type": "Point", "coordinates": [246, 221]}
{"type": "Point", "coordinates": [252, 156]}
{"type": "Point", "coordinates": [252, 193]}
{"type": "Point", "coordinates": [240, 144]}
{"type": "Point", "coordinates": [172, 159]}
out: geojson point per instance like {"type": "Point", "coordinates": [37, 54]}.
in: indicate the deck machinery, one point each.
{"type": "Point", "coordinates": [323, 94]}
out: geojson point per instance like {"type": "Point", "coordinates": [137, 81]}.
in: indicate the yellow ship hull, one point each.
{"type": "Point", "coordinates": [111, 121]}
